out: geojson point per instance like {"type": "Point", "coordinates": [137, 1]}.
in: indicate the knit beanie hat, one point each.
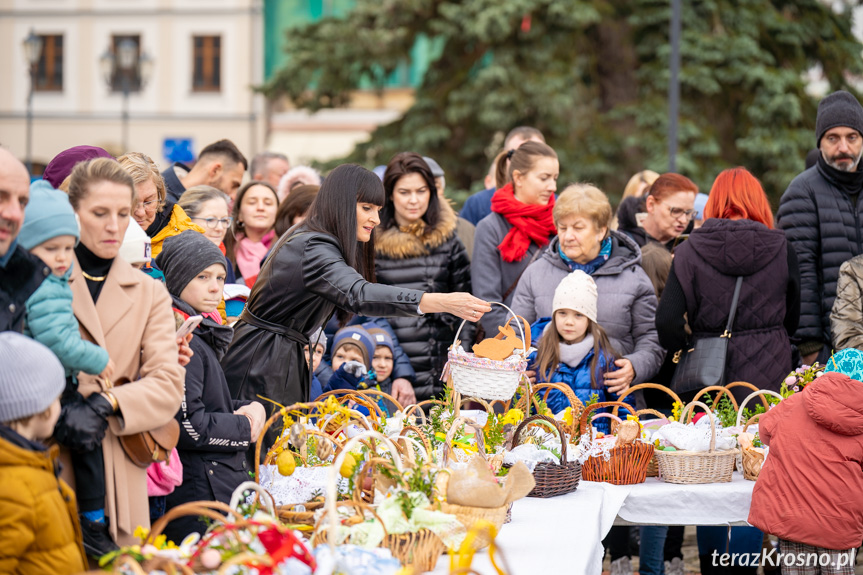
{"type": "Point", "coordinates": [31, 379]}
{"type": "Point", "coordinates": [63, 163]}
{"type": "Point", "coordinates": [136, 245]}
{"type": "Point", "coordinates": [318, 338]}
{"type": "Point", "coordinates": [48, 215]}
{"type": "Point", "coordinates": [184, 256]}
{"type": "Point", "coordinates": [359, 337]}
{"type": "Point", "coordinates": [436, 170]}
{"type": "Point", "coordinates": [380, 336]}
{"type": "Point", "coordinates": [577, 291]}
{"type": "Point", "coordinates": [838, 109]}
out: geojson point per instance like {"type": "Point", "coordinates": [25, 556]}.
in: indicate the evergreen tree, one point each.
{"type": "Point", "coordinates": [592, 75]}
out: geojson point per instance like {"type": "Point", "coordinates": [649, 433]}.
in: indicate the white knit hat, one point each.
{"type": "Point", "coordinates": [31, 379]}
{"type": "Point", "coordinates": [136, 244]}
{"type": "Point", "coordinates": [577, 291]}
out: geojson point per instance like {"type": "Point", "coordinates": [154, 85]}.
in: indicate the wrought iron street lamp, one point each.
{"type": "Point", "coordinates": [126, 65]}
{"type": "Point", "coordinates": [32, 53]}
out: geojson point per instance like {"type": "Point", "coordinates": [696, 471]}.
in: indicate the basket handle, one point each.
{"type": "Point", "coordinates": [456, 424]}
{"type": "Point", "coordinates": [630, 390]}
{"type": "Point", "coordinates": [691, 407]}
{"type": "Point", "coordinates": [585, 415]}
{"type": "Point", "coordinates": [752, 395]}
{"type": "Point", "coordinates": [208, 509]}
{"type": "Point", "coordinates": [542, 419]}
{"type": "Point", "coordinates": [718, 388]}
{"type": "Point", "coordinates": [752, 420]}
{"type": "Point", "coordinates": [512, 316]}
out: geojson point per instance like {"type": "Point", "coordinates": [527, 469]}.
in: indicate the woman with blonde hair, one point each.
{"type": "Point", "coordinates": [627, 301]}
{"type": "Point", "coordinates": [155, 212]}
{"type": "Point", "coordinates": [128, 314]}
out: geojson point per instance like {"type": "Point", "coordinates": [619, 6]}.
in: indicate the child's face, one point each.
{"type": "Point", "coordinates": [204, 292]}
{"type": "Point", "coordinates": [56, 253]}
{"type": "Point", "coordinates": [45, 422]}
{"type": "Point", "coordinates": [383, 362]}
{"type": "Point", "coordinates": [347, 352]}
{"type": "Point", "coordinates": [319, 355]}
{"type": "Point", "coordinates": [571, 325]}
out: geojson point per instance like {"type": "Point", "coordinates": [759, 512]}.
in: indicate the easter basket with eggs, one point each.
{"type": "Point", "coordinates": [752, 453]}
{"type": "Point", "coordinates": [620, 459]}
{"type": "Point", "coordinates": [650, 425]}
{"type": "Point", "coordinates": [495, 367]}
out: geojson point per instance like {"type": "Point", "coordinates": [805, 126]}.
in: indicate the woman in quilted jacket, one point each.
{"type": "Point", "coordinates": [737, 239]}
{"type": "Point", "coordinates": [417, 247]}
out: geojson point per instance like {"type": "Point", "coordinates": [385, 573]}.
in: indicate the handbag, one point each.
{"type": "Point", "coordinates": [146, 447]}
{"type": "Point", "coordinates": [704, 364]}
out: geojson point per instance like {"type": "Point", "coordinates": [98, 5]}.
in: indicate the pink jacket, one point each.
{"type": "Point", "coordinates": [810, 489]}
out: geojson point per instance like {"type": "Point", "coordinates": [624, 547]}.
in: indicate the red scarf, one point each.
{"type": "Point", "coordinates": [529, 223]}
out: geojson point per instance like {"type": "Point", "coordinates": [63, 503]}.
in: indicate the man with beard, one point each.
{"type": "Point", "coordinates": [20, 272]}
{"type": "Point", "coordinates": [820, 213]}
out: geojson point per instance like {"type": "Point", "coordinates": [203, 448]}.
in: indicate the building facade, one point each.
{"type": "Point", "coordinates": [205, 57]}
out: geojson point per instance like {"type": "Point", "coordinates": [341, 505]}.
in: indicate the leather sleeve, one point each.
{"type": "Point", "coordinates": [326, 274]}
{"type": "Point", "coordinates": [846, 319]}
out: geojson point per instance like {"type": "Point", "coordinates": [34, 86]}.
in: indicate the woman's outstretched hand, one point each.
{"type": "Point", "coordinates": [459, 304]}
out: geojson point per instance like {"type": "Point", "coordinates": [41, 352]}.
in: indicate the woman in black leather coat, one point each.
{"type": "Point", "coordinates": [323, 266]}
{"type": "Point", "coordinates": [417, 247]}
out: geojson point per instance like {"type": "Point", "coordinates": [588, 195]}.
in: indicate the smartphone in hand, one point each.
{"type": "Point", "coordinates": [189, 325]}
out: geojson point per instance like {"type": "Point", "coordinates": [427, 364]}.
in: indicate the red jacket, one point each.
{"type": "Point", "coordinates": [810, 489]}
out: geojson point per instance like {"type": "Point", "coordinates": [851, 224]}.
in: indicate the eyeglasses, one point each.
{"type": "Point", "coordinates": [676, 213]}
{"type": "Point", "coordinates": [213, 223]}
{"type": "Point", "coordinates": [150, 206]}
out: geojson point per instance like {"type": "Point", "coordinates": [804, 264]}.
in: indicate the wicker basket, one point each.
{"type": "Point", "coordinates": [626, 465]}
{"type": "Point", "coordinates": [750, 462]}
{"type": "Point", "coordinates": [692, 467]}
{"type": "Point", "coordinates": [653, 467]}
{"type": "Point", "coordinates": [486, 378]}
{"type": "Point", "coordinates": [739, 463]}
{"type": "Point", "coordinates": [575, 403]}
{"type": "Point", "coordinates": [551, 479]}
{"type": "Point", "coordinates": [467, 516]}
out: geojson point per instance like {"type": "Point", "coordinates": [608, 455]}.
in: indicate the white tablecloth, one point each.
{"type": "Point", "coordinates": [566, 532]}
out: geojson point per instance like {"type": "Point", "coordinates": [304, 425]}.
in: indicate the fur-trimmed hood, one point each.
{"type": "Point", "coordinates": [397, 244]}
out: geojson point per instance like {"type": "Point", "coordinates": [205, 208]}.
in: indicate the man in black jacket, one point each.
{"type": "Point", "coordinates": [821, 216]}
{"type": "Point", "coordinates": [20, 272]}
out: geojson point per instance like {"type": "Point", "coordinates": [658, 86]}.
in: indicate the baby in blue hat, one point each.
{"type": "Point", "coordinates": [50, 231]}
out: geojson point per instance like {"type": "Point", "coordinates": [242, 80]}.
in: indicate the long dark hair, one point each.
{"type": "Point", "coordinates": [295, 205]}
{"type": "Point", "coordinates": [401, 165]}
{"type": "Point", "coordinates": [548, 353]}
{"type": "Point", "coordinates": [334, 212]}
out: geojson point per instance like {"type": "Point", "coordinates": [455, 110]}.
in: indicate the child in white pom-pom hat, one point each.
{"type": "Point", "coordinates": [573, 349]}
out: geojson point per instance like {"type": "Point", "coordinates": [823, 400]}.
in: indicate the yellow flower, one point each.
{"type": "Point", "coordinates": [160, 541]}
{"type": "Point", "coordinates": [513, 416]}
{"type": "Point", "coordinates": [567, 416]}
{"type": "Point", "coordinates": [141, 533]}
{"type": "Point", "coordinates": [631, 418]}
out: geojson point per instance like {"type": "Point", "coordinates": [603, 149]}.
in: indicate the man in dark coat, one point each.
{"type": "Point", "coordinates": [20, 272]}
{"type": "Point", "coordinates": [821, 216]}
{"type": "Point", "coordinates": [220, 165]}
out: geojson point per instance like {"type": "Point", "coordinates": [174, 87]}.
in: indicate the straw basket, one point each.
{"type": "Point", "coordinates": [537, 390]}
{"type": "Point", "coordinates": [755, 459]}
{"type": "Point", "coordinates": [486, 378]}
{"type": "Point", "coordinates": [626, 465]}
{"type": "Point", "coordinates": [467, 516]}
{"type": "Point", "coordinates": [551, 479]}
{"type": "Point", "coordinates": [653, 467]}
{"type": "Point", "coordinates": [691, 467]}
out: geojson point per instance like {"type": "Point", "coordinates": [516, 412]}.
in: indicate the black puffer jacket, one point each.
{"type": "Point", "coordinates": [18, 280]}
{"type": "Point", "coordinates": [823, 224]}
{"type": "Point", "coordinates": [432, 260]}
{"type": "Point", "coordinates": [213, 441]}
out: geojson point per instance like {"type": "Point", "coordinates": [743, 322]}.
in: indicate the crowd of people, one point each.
{"type": "Point", "coordinates": [297, 284]}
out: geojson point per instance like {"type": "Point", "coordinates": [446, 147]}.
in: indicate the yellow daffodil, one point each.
{"type": "Point", "coordinates": [567, 416]}
{"type": "Point", "coordinates": [141, 533]}
{"type": "Point", "coordinates": [513, 416]}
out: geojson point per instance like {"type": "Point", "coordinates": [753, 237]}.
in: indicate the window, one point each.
{"type": "Point", "coordinates": [49, 69]}
{"type": "Point", "coordinates": [206, 63]}
{"type": "Point", "coordinates": [118, 75]}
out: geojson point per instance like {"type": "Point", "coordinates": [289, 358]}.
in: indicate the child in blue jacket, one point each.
{"type": "Point", "coordinates": [573, 349]}
{"type": "Point", "coordinates": [50, 231]}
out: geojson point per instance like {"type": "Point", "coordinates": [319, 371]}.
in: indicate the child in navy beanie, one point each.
{"type": "Point", "coordinates": [50, 231]}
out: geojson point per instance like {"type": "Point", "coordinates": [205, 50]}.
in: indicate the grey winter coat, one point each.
{"type": "Point", "coordinates": [491, 277]}
{"type": "Point", "coordinates": [626, 307]}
